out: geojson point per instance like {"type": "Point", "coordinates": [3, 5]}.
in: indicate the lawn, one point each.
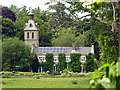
{"type": "Point", "coordinates": [45, 83]}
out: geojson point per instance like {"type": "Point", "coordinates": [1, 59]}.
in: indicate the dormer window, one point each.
{"type": "Point", "coordinates": [30, 24]}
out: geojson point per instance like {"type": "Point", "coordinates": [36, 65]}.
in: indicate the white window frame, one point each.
{"type": "Point", "coordinates": [55, 57]}
{"type": "Point", "coordinates": [41, 60]}
{"type": "Point", "coordinates": [82, 60]}
{"type": "Point", "coordinates": [67, 59]}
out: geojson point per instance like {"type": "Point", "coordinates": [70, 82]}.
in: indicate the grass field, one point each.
{"type": "Point", "coordinates": [45, 83]}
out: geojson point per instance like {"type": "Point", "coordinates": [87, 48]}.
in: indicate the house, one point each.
{"type": "Point", "coordinates": [31, 37]}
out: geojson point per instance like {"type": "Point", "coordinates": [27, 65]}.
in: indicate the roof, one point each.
{"type": "Point", "coordinates": [67, 50]}
{"type": "Point", "coordinates": [31, 25]}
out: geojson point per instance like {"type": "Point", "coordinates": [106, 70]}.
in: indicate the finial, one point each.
{"type": "Point", "coordinates": [31, 12]}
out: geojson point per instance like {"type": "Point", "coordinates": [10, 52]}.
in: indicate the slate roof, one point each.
{"type": "Point", "coordinates": [67, 50]}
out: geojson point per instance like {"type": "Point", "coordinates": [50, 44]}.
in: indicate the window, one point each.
{"type": "Point", "coordinates": [30, 24]}
{"type": "Point", "coordinates": [55, 59]}
{"type": "Point", "coordinates": [67, 59]}
{"type": "Point", "coordinates": [27, 35]}
{"type": "Point", "coordinates": [82, 58]}
{"type": "Point", "coordinates": [41, 59]}
{"type": "Point", "coordinates": [32, 35]}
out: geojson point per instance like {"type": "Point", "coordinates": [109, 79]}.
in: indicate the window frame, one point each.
{"type": "Point", "coordinates": [81, 60]}
{"type": "Point", "coordinates": [41, 60]}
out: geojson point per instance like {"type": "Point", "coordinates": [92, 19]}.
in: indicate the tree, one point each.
{"type": "Point", "coordinates": [61, 15]}
{"type": "Point", "coordinates": [100, 11]}
{"type": "Point", "coordinates": [8, 28]}
{"type": "Point", "coordinates": [61, 62]}
{"type": "Point", "coordinates": [108, 47]}
{"type": "Point", "coordinates": [64, 38]}
{"type": "Point", "coordinates": [34, 63]}
{"type": "Point", "coordinates": [75, 63]}
{"type": "Point", "coordinates": [89, 63]}
{"type": "Point", "coordinates": [15, 55]}
{"type": "Point", "coordinates": [7, 13]}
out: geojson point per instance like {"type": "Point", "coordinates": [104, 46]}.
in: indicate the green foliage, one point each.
{"type": "Point", "coordinates": [37, 77]}
{"type": "Point", "coordinates": [75, 62]}
{"type": "Point", "coordinates": [48, 65]}
{"type": "Point", "coordinates": [61, 62]}
{"type": "Point", "coordinates": [15, 55]}
{"type": "Point", "coordinates": [34, 63]}
{"type": "Point", "coordinates": [108, 45]}
{"type": "Point", "coordinates": [63, 37]}
{"type": "Point", "coordinates": [8, 28]}
{"type": "Point", "coordinates": [109, 79]}
{"type": "Point", "coordinates": [89, 63]}
{"type": "Point", "coordinates": [59, 16]}
{"type": "Point", "coordinates": [7, 13]}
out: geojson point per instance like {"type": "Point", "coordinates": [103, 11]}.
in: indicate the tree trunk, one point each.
{"type": "Point", "coordinates": [119, 29]}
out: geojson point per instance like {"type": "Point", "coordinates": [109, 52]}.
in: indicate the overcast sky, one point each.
{"type": "Point", "coordinates": [29, 3]}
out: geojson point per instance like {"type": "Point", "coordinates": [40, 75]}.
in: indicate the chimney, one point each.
{"type": "Point", "coordinates": [73, 46]}
{"type": "Point", "coordinates": [92, 49]}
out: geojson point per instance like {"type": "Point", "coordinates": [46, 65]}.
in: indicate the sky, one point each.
{"type": "Point", "coordinates": [30, 3]}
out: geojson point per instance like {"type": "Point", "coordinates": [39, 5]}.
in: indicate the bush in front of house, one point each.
{"type": "Point", "coordinates": [61, 62]}
{"type": "Point", "coordinates": [90, 63]}
{"type": "Point", "coordinates": [75, 62]}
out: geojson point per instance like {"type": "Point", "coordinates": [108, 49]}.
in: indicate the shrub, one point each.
{"type": "Point", "coordinates": [55, 72]}
{"type": "Point", "coordinates": [110, 78]}
{"type": "Point", "coordinates": [6, 76]}
{"type": "Point", "coordinates": [37, 77]}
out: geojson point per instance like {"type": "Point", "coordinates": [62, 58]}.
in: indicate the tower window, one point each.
{"type": "Point", "coordinates": [32, 35]}
{"type": "Point", "coordinates": [30, 24]}
{"type": "Point", "coordinates": [27, 35]}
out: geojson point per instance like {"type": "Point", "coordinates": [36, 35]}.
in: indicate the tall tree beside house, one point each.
{"type": "Point", "coordinates": [75, 62]}
{"type": "Point", "coordinates": [15, 55]}
{"type": "Point", "coordinates": [61, 62]}
{"type": "Point", "coordinates": [34, 63]}
{"type": "Point", "coordinates": [48, 65]}
{"type": "Point", "coordinates": [89, 63]}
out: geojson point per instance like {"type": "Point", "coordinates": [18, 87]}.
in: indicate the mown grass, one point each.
{"type": "Point", "coordinates": [45, 83]}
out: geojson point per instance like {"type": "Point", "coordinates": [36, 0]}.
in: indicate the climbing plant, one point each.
{"type": "Point", "coordinates": [61, 62]}
{"type": "Point", "coordinates": [75, 62]}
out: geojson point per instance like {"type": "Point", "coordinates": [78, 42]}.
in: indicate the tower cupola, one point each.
{"type": "Point", "coordinates": [31, 14]}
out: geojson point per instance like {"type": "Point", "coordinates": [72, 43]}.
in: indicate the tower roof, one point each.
{"type": "Point", "coordinates": [31, 25]}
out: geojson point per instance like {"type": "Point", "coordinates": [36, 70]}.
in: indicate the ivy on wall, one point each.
{"type": "Point", "coordinates": [90, 63]}
{"type": "Point", "coordinates": [75, 62]}
{"type": "Point", "coordinates": [61, 62]}
{"type": "Point", "coordinates": [48, 65]}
